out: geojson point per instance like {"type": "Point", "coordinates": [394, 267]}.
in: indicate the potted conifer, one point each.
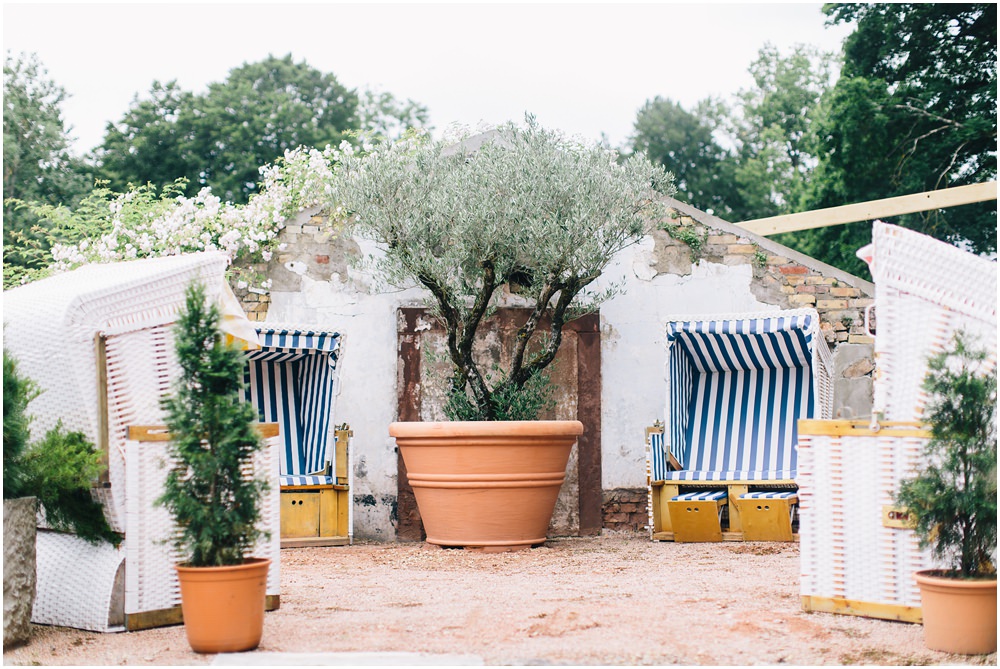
{"type": "Point", "coordinates": [953, 500]}
{"type": "Point", "coordinates": [521, 207]}
{"type": "Point", "coordinates": [216, 507]}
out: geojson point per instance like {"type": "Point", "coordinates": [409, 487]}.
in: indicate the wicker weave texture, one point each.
{"type": "Point", "coordinates": [925, 291]}
{"type": "Point", "coordinates": [75, 581]}
{"type": "Point", "coordinates": [845, 551]}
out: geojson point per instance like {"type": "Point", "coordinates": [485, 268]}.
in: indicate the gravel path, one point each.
{"type": "Point", "coordinates": [617, 599]}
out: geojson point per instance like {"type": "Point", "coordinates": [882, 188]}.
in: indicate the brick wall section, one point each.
{"type": "Point", "coordinates": [625, 509]}
{"type": "Point", "coordinates": [782, 281]}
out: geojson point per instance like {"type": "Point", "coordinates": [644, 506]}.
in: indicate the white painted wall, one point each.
{"type": "Point", "coordinates": [632, 362]}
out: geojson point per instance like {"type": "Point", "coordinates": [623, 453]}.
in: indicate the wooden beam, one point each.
{"type": "Point", "coordinates": [867, 211]}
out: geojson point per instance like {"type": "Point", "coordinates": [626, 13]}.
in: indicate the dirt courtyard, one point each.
{"type": "Point", "coordinates": [612, 600]}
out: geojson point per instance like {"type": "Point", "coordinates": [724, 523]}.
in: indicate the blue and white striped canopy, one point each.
{"type": "Point", "coordinates": [290, 382]}
{"type": "Point", "coordinates": [736, 389]}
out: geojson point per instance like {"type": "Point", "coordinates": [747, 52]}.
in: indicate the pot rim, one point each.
{"type": "Point", "coordinates": [486, 428]}
{"type": "Point", "coordinates": [247, 564]}
{"type": "Point", "coordinates": [933, 577]}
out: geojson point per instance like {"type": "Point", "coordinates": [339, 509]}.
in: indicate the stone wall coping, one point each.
{"type": "Point", "coordinates": [774, 247]}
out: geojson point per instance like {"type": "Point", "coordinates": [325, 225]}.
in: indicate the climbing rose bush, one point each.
{"type": "Point", "coordinates": [140, 223]}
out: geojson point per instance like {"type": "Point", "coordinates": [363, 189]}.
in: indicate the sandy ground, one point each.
{"type": "Point", "coordinates": [613, 600]}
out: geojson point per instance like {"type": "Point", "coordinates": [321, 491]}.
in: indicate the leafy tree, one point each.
{"type": "Point", "coordinates": [772, 129]}
{"type": "Point", "coordinates": [684, 143]}
{"type": "Point", "coordinates": [152, 141]}
{"type": "Point", "coordinates": [914, 110]}
{"type": "Point", "coordinates": [37, 164]}
{"type": "Point", "coordinates": [381, 115]}
{"type": "Point", "coordinates": [522, 206]}
{"type": "Point", "coordinates": [221, 139]}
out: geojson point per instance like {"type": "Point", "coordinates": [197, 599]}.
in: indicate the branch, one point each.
{"type": "Point", "coordinates": [526, 331]}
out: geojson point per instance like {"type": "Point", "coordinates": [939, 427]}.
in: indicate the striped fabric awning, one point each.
{"type": "Point", "coordinates": [736, 389]}
{"type": "Point", "coordinates": [290, 381]}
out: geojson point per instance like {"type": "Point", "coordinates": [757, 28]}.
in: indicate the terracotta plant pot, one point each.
{"type": "Point", "coordinates": [486, 485]}
{"type": "Point", "coordinates": [224, 606]}
{"type": "Point", "coordinates": [960, 615]}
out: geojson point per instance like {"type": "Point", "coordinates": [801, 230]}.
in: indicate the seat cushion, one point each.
{"type": "Point", "coordinates": [702, 496]}
{"type": "Point", "coordinates": [750, 476]}
{"type": "Point", "coordinates": [790, 495]}
{"type": "Point", "coordinates": [305, 480]}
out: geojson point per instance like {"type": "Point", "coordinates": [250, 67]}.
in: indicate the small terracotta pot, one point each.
{"type": "Point", "coordinates": [488, 485]}
{"type": "Point", "coordinates": [960, 615]}
{"type": "Point", "coordinates": [224, 606]}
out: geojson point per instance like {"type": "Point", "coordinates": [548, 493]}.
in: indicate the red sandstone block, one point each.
{"type": "Point", "coordinates": [793, 269]}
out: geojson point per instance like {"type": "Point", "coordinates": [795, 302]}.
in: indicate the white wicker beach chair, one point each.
{"type": "Point", "coordinates": [98, 342]}
{"type": "Point", "coordinates": [737, 385]}
{"type": "Point", "coordinates": [857, 551]}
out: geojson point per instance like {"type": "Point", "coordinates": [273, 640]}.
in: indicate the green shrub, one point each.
{"type": "Point", "coordinates": [953, 499]}
{"type": "Point", "coordinates": [213, 439]}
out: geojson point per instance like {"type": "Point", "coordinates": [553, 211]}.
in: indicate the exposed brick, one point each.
{"type": "Point", "coordinates": [860, 339]}
{"type": "Point", "coordinates": [818, 280]}
{"type": "Point", "coordinates": [292, 230]}
{"type": "Point", "coordinates": [735, 260]}
{"type": "Point", "coordinates": [862, 302]}
{"type": "Point", "coordinates": [793, 269]}
{"type": "Point", "coordinates": [722, 239]}
{"type": "Point", "coordinates": [742, 249]}
{"type": "Point", "coordinates": [831, 304]}
{"type": "Point", "coordinates": [801, 300]}
{"type": "Point", "coordinates": [806, 289]}
{"type": "Point", "coordinates": [777, 260]}
{"type": "Point", "coordinates": [842, 336]}
{"type": "Point", "coordinates": [795, 280]}
{"type": "Point", "coordinates": [844, 291]}
{"type": "Point", "coordinates": [862, 367]}
{"type": "Point", "coordinates": [322, 260]}
{"type": "Point", "coordinates": [787, 290]}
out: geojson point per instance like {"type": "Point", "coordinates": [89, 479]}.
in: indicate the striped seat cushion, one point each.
{"type": "Point", "coordinates": [703, 496]}
{"type": "Point", "coordinates": [305, 480]}
{"type": "Point", "coordinates": [702, 475]}
{"type": "Point", "coordinates": [790, 495]}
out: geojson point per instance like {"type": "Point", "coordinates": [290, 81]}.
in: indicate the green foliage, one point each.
{"type": "Point", "coordinates": [694, 237]}
{"type": "Point", "coordinates": [37, 164]}
{"type": "Point", "coordinates": [18, 391]}
{"type": "Point", "coordinates": [685, 144]}
{"type": "Point", "coordinates": [59, 470]}
{"type": "Point", "coordinates": [914, 110]}
{"type": "Point", "coordinates": [381, 116]}
{"type": "Point", "coordinates": [221, 138]}
{"type": "Point", "coordinates": [954, 497]}
{"type": "Point", "coordinates": [506, 402]}
{"type": "Point", "coordinates": [522, 206]}
{"type": "Point", "coordinates": [214, 506]}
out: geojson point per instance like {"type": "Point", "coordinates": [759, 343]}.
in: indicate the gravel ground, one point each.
{"type": "Point", "coordinates": [613, 600]}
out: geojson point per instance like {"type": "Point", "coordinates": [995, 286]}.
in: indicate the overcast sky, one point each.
{"type": "Point", "coordinates": [583, 68]}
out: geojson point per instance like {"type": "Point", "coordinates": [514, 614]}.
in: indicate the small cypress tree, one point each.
{"type": "Point", "coordinates": [213, 440]}
{"type": "Point", "coordinates": [954, 497]}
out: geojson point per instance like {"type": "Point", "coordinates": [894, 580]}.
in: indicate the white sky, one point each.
{"type": "Point", "coordinates": [582, 68]}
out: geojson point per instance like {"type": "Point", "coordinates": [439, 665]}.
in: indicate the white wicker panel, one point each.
{"type": "Point", "coordinates": [75, 581]}
{"type": "Point", "coordinates": [150, 578]}
{"type": "Point", "coordinates": [925, 290]}
{"type": "Point", "coordinates": [846, 553]}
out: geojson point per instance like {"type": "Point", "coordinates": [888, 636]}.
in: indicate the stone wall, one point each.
{"type": "Point", "coordinates": [626, 509]}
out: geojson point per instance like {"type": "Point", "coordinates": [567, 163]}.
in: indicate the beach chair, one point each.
{"type": "Point", "coordinates": [291, 380]}
{"type": "Point", "coordinates": [99, 343]}
{"type": "Point", "coordinates": [858, 550]}
{"type": "Point", "coordinates": [722, 465]}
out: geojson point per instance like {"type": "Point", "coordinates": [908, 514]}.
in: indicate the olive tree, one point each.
{"type": "Point", "coordinates": [519, 205]}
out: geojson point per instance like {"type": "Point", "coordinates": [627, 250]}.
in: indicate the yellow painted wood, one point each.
{"type": "Point", "coordinates": [696, 521]}
{"type": "Point", "coordinates": [329, 503]}
{"type": "Point", "coordinates": [663, 536]}
{"type": "Point", "coordinates": [343, 513]}
{"type": "Point", "coordinates": [315, 542]}
{"type": "Point", "coordinates": [735, 517]}
{"type": "Point", "coordinates": [150, 433]}
{"type": "Point", "coordinates": [898, 517]}
{"type": "Point", "coordinates": [858, 428]}
{"type": "Point", "coordinates": [868, 211]}
{"type": "Point", "coordinates": [766, 519]}
{"type": "Point", "coordinates": [300, 513]}
{"type": "Point", "coordinates": [852, 607]}
{"type": "Point", "coordinates": [343, 435]}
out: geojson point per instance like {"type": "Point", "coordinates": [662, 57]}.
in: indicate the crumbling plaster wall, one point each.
{"type": "Point", "coordinates": [315, 282]}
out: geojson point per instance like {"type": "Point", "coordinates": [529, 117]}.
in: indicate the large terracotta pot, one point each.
{"type": "Point", "coordinates": [486, 485]}
{"type": "Point", "coordinates": [960, 615]}
{"type": "Point", "coordinates": [224, 606]}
